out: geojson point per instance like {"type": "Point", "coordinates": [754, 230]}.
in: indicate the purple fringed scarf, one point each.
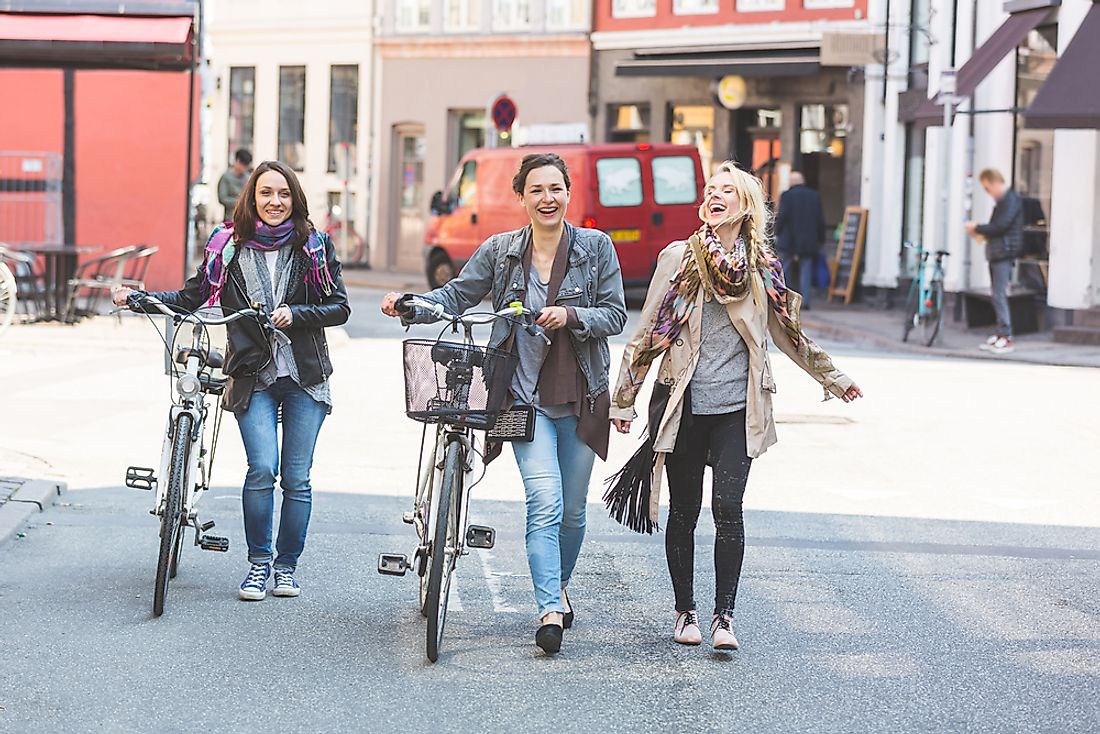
{"type": "Point", "coordinates": [221, 247]}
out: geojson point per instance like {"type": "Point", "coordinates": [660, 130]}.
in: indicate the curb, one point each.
{"type": "Point", "coordinates": [32, 498]}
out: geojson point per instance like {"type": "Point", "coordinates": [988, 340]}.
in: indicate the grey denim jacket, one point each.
{"type": "Point", "coordinates": [592, 290]}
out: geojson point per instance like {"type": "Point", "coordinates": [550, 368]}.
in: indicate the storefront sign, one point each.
{"type": "Point", "coordinates": [732, 91]}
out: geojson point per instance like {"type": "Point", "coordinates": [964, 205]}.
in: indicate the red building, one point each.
{"type": "Point", "coordinates": [749, 80]}
{"type": "Point", "coordinates": [111, 93]}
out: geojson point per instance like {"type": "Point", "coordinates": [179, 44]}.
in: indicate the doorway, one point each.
{"type": "Point", "coordinates": [408, 215]}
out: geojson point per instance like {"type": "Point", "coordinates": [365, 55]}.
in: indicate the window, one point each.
{"type": "Point", "coordinates": [468, 133]}
{"type": "Point", "coordinates": [464, 190]}
{"type": "Point", "coordinates": [633, 8]}
{"type": "Point", "coordinates": [628, 123]}
{"type": "Point", "coordinates": [511, 15]}
{"type": "Point", "coordinates": [694, 125]}
{"type": "Point", "coordinates": [694, 7]}
{"type": "Point", "coordinates": [343, 113]}
{"type": "Point", "coordinates": [412, 171]}
{"type": "Point", "coordinates": [620, 181]}
{"type": "Point", "coordinates": [823, 129]}
{"type": "Point", "coordinates": [564, 15]}
{"type": "Point", "coordinates": [335, 200]}
{"type": "Point", "coordinates": [462, 15]}
{"type": "Point", "coordinates": [1033, 169]}
{"type": "Point", "coordinates": [759, 6]}
{"type": "Point", "coordinates": [242, 108]}
{"type": "Point", "coordinates": [292, 116]}
{"type": "Point", "coordinates": [412, 15]}
{"type": "Point", "coordinates": [912, 203]}
{"type": "Point", "coordinates": [674, 180]}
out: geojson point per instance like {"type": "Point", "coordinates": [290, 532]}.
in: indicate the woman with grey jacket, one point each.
{"type": "Point", "coordinates": [714, 301]}
{"type": "Point", "coordinates": [571, 276]}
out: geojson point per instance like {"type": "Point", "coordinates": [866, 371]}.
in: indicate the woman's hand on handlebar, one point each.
{"type": "Point", "coordinates": [120, 294]}
{"type": "Point", "coordinates": [389, 304]}
{"type": "Point", "coordinates": [552, 317]}
{"type": "Point", "coordinates": [282, 317]}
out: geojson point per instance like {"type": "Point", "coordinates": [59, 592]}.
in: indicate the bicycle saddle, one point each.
{"type": "Point", "coordinates": [209, 357]}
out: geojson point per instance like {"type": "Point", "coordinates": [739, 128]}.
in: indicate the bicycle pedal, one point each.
{"type": "Point", "coordinates": [207, 525]}
{"type": "Point", "coordinates": [408, 517]}
{"type": "Point", "coordinates": [393, 564]}
{"type": "Point", "coordinates": [480, 536]}
{"type": "Point", "coordinates": [140, 477]}
{"type": "Point", "coordinates": [214, 543]}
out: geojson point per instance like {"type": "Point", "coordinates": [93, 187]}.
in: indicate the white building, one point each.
{"type": "Point", "coordinates": [293, 84]}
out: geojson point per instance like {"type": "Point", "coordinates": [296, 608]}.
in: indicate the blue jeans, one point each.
{"type": "Point", "coordinates": [302, 419]}
{"type": "Point", "coordinates": [804, 263]}
{"type": "Point", "coordinates": [1000, 273]}
{"type": "Point", "coordinates": [556, 468]}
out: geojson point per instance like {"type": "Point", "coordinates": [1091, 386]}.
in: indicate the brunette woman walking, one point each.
{"type": "Point", "coordinates": [271, 254]}
{"type": "Point", "coordinates": [714, 302]}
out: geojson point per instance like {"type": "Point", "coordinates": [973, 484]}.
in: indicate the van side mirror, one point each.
{"type": "Point", "coordinates": [439, 204]}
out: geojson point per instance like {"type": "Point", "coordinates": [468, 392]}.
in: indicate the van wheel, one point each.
{"type": "Point", "coordinates": [440, 269]}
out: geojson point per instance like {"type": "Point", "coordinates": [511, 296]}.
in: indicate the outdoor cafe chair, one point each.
{"type": "Point", "coordinates": [98, 276]}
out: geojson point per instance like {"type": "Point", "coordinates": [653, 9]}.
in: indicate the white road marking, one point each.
{"type": "Point", "coordinates": [492, 580]}
{"type": "Point", "coordinates": [454, 601]}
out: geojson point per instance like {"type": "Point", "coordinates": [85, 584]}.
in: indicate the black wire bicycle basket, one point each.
{"type": "Point", "coordinates": [455, 383]}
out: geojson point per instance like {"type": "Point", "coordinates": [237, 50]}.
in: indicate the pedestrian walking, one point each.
{"type": "Point", "coordinates": [232, 182]}
{"type": "Point", "coordinates": [714, 302]}
{"type": "Point", "coordinates": [571, 276]}
{"type": "Point", "coordinates": [271, 254]}
{"type": "Point", "coordinates": [1004, 242]}
{"type": "Point", "coordinates": [799, 233]}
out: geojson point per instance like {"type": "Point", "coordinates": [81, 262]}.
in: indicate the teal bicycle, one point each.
{"type": "Point", "coordinates": [924, 306]}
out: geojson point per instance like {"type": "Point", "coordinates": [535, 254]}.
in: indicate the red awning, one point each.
{"type": "Point", "coordinates": [1070, 97]}
{"type": "Point", "coordinates": [1010, 35]}
{"type": "Point", "coordinates": [96, 41]}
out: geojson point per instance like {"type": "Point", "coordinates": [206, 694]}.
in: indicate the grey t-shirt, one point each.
{"type": "Point", "coordinates": [532, 352]}
{"type": "Point", "coordinates": [721, 380]}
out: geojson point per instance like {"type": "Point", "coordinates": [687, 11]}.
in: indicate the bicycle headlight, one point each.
{"type": "Point", "coordinates": [188, 386]}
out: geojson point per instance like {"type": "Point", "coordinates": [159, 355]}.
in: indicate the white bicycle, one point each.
{"type": "Point", "coordinates": [9, 288]}
{"type": "Point", "coordinates": [186, 462]}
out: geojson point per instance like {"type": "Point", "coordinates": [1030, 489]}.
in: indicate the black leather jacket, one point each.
{"type": "Point", "coordinates": [1004, 235]}
{"type": "Point", "coordinates": [248, 349]}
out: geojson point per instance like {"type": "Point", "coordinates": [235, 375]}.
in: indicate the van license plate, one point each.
{"type": "Point", "coordinates": [625, 235]}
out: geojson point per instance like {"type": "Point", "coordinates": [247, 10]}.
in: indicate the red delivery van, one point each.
{"type": "Point", "coordinates": [643, 195]}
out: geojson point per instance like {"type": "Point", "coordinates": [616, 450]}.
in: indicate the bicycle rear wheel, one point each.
{"type": "Point", "coordinates": [443, 555]}
{"type": "Point", "coordinates": [170, 521]}
{"type": "Point", "coordinates": [7, 296]}
{"type": "Point", "coordinates": [934, 318]}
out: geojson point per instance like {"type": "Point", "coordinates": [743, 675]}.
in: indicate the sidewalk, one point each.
{"type": "Point", "coordinates": [881, 329]}
{"type": "Point", "coordinates": [401, 282]}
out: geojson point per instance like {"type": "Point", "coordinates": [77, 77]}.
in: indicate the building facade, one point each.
{"type": "Point", "coordinates": [295, 87]}
{"type": "Point", "coordinates": [439, 66]}
{"type": "Point", "coordinates": [741, 79]}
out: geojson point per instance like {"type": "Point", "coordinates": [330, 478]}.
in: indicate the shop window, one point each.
{"type": "Point", "coordinates": [823, 129]}
{"type": "Point", "coordinates": [674, 180]}
{"type": "Point", "coordinates": [567, 15]}
{"type": "Point", "coordinates": [694, 125]}
{"type": "Point", "coordinates": [620, 181]}
{"type": "Point", "coordinates": [462, 15]}
{"type": "Point", "coordinates": [343, 112]}
{"type": "Point", "coordinates": [292, 116]}
{"type": "Point", "coordinates": [412, 15]}
{"type": "Point", "coordinates": [511, 15]}
{"type": "Point", "coordinates": [694, 7]}
{"type": "Point", "coordinates": [242, 108]}
{"type": "Point", "coordinates": [1034, 161]}
{"type": "Point", "coordinates": [468, 128]}
{"type": "Point", "coordinates": [629, 123]}
{"type": "Point", "coordinates": [633, 8]}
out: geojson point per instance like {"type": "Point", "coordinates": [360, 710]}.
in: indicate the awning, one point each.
{"type": "Point", "coordinates": [96, 41]}
{"type": "Point", "coordinates": [1010, 35]}
{"type": "Point", "coordinates": [1070, 97]}
{"type": "Point", "coordinates": [771, 59]}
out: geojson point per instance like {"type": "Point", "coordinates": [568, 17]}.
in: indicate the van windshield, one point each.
{"type": "Point", "coordinates": [620, 181]}
{"type": "Point", "coordinates": [674, 180]}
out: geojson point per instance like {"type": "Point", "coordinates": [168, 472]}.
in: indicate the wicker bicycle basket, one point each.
{"type": "Point", "coordinates": [455, 383]}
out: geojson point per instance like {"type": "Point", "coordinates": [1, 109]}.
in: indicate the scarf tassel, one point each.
{"type": "Point", "coordinates": [319, 277]}
{"type": "Point", "coordinates": [628, 491]}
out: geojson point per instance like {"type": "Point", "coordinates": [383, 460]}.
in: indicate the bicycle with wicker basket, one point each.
{"type": "Point", "coordinates": [460, 388]}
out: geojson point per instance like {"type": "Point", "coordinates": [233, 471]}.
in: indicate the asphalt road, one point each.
{"type": "Point", "coordinates": [909, 569]}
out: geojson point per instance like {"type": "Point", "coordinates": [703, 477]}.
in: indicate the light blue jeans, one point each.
{"type": "Point", "coordinates": [302, 419]}
{"type": "Point", "coordinates": [556, 468]}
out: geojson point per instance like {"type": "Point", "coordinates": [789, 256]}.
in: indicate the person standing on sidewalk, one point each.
{"type": "Point", "coordinates": [1004, 242]}
{"type": "Point", "coordinates": [799, 232]}
{"type": "Point", "coordinates": [712, 305]}
{"type": "Point", "coordinates": [571, 275]}
{"type": "Point", "coordinates": [232, 182]}
{"type": "Point", "coordinates": [271, 254]}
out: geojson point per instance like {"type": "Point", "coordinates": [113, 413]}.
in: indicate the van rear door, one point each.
{"type": "Point", "coordinates": [677, 191]}
{"type": "Point", "coordinates": [619, 209]}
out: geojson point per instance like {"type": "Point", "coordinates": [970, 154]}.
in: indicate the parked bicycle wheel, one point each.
{"type": "Point", "coordinates": [7, 296]}
{"type": "Point", "coordinates": [933, 319]}
{"type": "Point", "coordinates": [170, 522]}
{"type": "Point", "coordinates": [912, 312]}
{"type": "Point", "coordinates": [441, 563]}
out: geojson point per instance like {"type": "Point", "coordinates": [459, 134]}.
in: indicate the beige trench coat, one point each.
{"type": "Point", "coordinates": [755, 323]}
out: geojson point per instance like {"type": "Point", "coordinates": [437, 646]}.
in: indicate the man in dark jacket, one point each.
{"type": "Point", "coordinates": [1004, 242]}
{"type": "Point", "coordinates": [799, 232]}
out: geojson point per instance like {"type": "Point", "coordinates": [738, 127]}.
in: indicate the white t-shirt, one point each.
{"type": "Point", "coordinates": [282, 369]}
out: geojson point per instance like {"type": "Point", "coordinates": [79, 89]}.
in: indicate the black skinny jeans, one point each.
{"type": "Point", "coordinates": [721, 439]}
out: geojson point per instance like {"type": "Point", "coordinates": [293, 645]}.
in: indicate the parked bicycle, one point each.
{"type": "Point", "coordinates": [924, 306]}
{"type": "Point", "coordinates": [189, 446]}
{"type": "Point", "coordinates": [460, 388]}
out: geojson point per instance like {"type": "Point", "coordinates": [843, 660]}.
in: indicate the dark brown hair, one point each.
{"type": "Point", "coordinates": [539, 160]}
{"type": "Point", "coordinates": [245, 215]}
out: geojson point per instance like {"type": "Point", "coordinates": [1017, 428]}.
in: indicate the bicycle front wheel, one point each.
{"type": "Point", "coordinates": [443, 553]}
{"type": "Point", "coordinates": [912, 311]}
{"type": "Point", "coordinates": [934, 319]}
{"type": "Point", "coordinates": [7, 297]}
{"type": "Point", "coordinates": [170, 521]}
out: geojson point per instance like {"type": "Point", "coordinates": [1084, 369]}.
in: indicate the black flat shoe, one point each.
{"type": "Point", "coordinates": [548, 638]}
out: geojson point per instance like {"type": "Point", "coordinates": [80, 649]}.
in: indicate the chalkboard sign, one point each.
{"type": "Point", "coordinates": [844, 267]}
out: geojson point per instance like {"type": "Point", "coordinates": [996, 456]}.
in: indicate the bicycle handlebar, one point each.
{"type": "Point", "coordinates": [138, 298]}
{"type": "Point", "coordinates": [406, 303]}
